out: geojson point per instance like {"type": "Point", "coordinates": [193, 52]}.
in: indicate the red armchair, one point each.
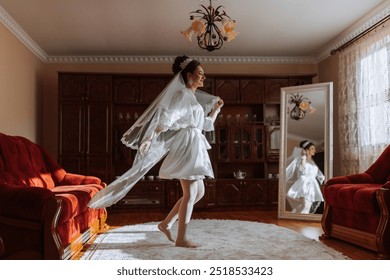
{"type": "Point", "coordinates": [43, 209]}
{"type": "Point", "coordinates": [357, 207]}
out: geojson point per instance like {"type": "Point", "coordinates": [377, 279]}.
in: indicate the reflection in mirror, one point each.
{"type": "Point", "coordinates": [305, 150]}
{"type": "Point", "coordinates": [273, 141]}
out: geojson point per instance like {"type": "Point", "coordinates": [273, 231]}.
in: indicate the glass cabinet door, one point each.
{"type": "Point", "coordinates": [258, 142]}
{"type": "Point", "coordinates": [238, 143]}
{"type": "Point", "coordinates": [242, 149]}
{"type": "Point", "coordinates": [222, 143]}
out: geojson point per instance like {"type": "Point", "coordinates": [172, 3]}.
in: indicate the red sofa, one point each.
{"type": "Point", "coordinates": [357, 207]}
{"type": "Point", "coordinates": [43, 209]}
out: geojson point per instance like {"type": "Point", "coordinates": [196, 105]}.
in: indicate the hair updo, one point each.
{"type": "Point", "coordinates": [189, 68]}
{"type": "Point", "coordinates": [305, 144]}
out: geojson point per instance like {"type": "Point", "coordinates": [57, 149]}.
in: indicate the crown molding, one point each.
{"type": "Point", "coordinates": [170, 59]}
{"type": "Point", "coordinates": [357, 28]}
{"type": "Point", "coordinates": [19, 33]}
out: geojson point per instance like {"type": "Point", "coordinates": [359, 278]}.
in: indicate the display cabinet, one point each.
{"type": "Point", "coordinates": [243, 193]}
{"type": "Point", "coordinates": [144, 194]}
{"type": "Point", "coordinates": [132, 95]}
{"type": "Point", "coordinates": [95, 110]}
{"type": "Point", "coordinates": [273, 193]}
{"type": "Point", "coordinates": [85, 124]}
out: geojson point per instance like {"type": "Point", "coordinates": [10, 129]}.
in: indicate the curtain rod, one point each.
{"type": "Point", "coordinates": [368, 30]}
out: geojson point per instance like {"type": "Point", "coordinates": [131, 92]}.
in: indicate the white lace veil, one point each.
{"type": "Point", "coordinates": [169, 112]}
{"type": "Point", "coordinates": [293, 162]}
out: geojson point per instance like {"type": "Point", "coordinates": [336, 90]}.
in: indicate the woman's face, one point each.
{"type": "Point", "coordinates": [198, 77]}
{"type": "Point", "coordinates": [312, 150]}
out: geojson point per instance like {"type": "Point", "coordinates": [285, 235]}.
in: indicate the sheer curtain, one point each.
{"type": "Point", "coordinates": [364, 100]}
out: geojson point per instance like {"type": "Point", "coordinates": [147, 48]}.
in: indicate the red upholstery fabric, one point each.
{"type": "Point", "coordinates": [29, 176]}
{"type": "Point", "coordinates": [353, 198]}
{"type": "Point", "coordinates": [74, 199]}
{"type": "Point", "coordinates": [380, 169]}
{"type": "Point", "coordinates": [23, 163]}
{"type": "Point", "coordinates": [357, 220]}
{"type": "Point", "coordinates": [69, 230]}
{"type": "Point", "coordinates": [25, 204]}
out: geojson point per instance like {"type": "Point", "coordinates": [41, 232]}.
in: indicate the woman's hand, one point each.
{"type": "Point", "coordinates": [144, 147]}
{"type": "Point", "coordinates": [218, 104]}
{"type": "Point", "coordinates": [217, 107]}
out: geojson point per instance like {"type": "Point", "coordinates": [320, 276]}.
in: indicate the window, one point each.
{"type": "Point", "coordinates": [374, 98]}
{"type": "Point", "coordinates": [364, 100]}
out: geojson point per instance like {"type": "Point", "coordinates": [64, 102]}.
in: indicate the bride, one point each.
{"type": "Point", "coordinates": [304, 195]}
{"type": "Point", "coordinates": [171, 127]}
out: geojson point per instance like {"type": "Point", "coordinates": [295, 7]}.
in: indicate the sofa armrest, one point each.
{"type": "Point", "coordinates": [27, 213]}
{"type": "Point", "coordinates": [76, 179]}
{"type": "Point", "coordinates": [360, 178]}
{"type": "Point", "coordinates": [27, 203]}
{"type": "Point", "coordinates": [386, 185]}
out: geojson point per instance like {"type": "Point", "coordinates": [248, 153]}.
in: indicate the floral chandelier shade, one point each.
{"type": "Point", "coordinates": [212, 27]}
{"type": "Point", "coordinates": [299, 106]}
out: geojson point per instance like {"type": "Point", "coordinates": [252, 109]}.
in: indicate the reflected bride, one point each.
{"type": "Point", "coordinates": [303, 180]}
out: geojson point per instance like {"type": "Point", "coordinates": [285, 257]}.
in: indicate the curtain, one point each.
{"type": "Point", "coordinates": [364, 100]}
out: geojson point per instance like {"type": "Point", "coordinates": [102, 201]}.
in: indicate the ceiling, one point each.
{"type": "Point", "coordinates": [267, 28]}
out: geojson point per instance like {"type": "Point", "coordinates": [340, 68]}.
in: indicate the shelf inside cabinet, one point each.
{"type": "Point", "coordinates": [253, 170]}
{"type": "Point", "coordinates": [240, 114]}
{"type": "Point", "coordinates": [272, 114]}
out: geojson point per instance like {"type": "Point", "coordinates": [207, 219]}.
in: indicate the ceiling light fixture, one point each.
{"type": "Point", "coordinates": [212, 27]}
{"type": "Point", "coordinates": [301, 105]}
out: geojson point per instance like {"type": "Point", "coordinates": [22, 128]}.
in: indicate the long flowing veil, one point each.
{"type": "Point", "coordinates": [169, 112]}
{"type": "Point", "coordinates": [293, 162]}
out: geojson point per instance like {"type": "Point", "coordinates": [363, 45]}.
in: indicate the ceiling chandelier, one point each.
{"type": "Point", "coordinates": [300, 106]}
{"type": "Point", "coordinates": [212, 27]}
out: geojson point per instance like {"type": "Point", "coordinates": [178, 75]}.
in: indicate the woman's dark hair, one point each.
{"type": "Point", "coordinates": [190, 68]}
{"type": "Point", "coordinates": [305, 144]}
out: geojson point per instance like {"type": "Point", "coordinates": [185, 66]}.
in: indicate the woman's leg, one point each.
{"type": "Point", "coordinates": [172, 216]}
{"type": "Point", "coordinates": [170, 219]}
{"type": "Point", "coordinates": [306, 206]}
{"type": "Point", "coordinates": [200, 192]}
{"type": "Point", "coordinates": [190, 190]}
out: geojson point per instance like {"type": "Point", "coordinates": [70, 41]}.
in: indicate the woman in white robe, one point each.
{"type": "Point", "coordinates": [304, 195]}
{"type": "Point", "coordinates": [172, 127]}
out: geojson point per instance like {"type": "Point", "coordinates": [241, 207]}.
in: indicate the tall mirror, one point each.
{"type": "Point", "coordinates": [306, 148]}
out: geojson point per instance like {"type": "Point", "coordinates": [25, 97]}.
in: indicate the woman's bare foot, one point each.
{"type": "Point", "coordinates": [186, 244]}
{"type": "Point", "coordinates": [164, 229]}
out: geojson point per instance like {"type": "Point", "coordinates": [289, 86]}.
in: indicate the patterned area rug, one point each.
{"type": "Point", "coordinates": [219, 239]}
